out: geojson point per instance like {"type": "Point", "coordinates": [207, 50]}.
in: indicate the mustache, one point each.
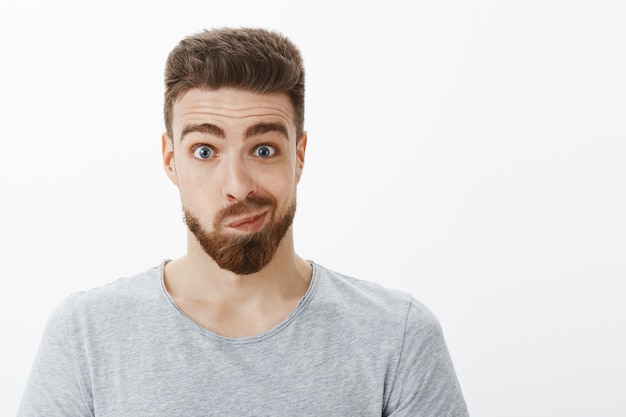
{"type": "Point", "coordinates": [246, 206]}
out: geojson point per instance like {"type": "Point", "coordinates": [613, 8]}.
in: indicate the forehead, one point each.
{"type": "Point", "coordinates": [231, 108]}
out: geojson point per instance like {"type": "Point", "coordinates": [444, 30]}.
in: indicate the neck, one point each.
{"type": "Point", "coordinates": [238, 305]}
{"type": "Point", "coordinates": [197, 277]}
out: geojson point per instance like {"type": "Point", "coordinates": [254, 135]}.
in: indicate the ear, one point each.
{"type": "Point", "coordinates": [300, 152]}
{"type": "Point", "coordinates": [169, 163]}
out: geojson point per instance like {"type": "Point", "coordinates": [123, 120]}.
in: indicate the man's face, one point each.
{"type": "Point", "coordinates": [236, 163]}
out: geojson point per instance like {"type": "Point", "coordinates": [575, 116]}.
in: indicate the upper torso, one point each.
{"type": "Point", "coordinates": [128, 350]}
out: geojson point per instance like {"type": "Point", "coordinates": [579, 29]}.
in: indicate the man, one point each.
{"type": "Point", "coordinates": [240, 325]}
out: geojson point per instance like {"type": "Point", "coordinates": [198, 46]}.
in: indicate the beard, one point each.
{"type": "Point", "coordinates": [242, 254]}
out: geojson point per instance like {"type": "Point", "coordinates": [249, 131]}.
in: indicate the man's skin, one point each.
{"type": "Point", "coordinates": [219, 161]}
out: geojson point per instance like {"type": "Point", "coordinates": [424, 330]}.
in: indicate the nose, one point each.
{"type": "Point", "coordinates": [237, 180]}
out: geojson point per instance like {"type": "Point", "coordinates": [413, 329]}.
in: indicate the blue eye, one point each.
{"type": "Point", "coordinates": [203, 152]}
{"type": "Point", "coordinates": [264, 151]}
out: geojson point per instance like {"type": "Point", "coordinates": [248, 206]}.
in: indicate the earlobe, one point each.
{"type": "Point", "coordinates": [169, 163]}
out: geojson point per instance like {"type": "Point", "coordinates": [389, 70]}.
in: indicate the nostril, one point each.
{"type": "Point", "coordinates": [238, 183]}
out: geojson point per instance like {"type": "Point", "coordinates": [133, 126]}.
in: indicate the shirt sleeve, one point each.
{"type": "Point", "coordinates": [425, 383]}
{"type": "Point", "coordinates": [53, 387]}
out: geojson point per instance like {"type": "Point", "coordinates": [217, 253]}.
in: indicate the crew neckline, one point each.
{"type": "Point", "coordinates": [304, 301]}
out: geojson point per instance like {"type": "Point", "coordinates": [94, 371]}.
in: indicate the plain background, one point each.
{"type": "Point", "coordinates": [471, 153]}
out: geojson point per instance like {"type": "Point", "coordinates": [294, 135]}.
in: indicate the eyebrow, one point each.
{"type": "Point", "coordinates": [203, 128]}
{"type": "Point", "coordinates": [263, 127]}
{"type": "Point", "coordinates": [254, 130]}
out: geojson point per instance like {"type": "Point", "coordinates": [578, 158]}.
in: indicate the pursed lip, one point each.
{"type": "Point", "coordinates": [248, 220]}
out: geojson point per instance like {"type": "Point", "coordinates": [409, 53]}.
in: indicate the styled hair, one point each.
{"type": "Point", "coordinates": [256, 60]}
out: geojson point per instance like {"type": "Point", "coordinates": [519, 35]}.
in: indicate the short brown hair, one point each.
{"type": "Point", "coordinates": [250, 59]}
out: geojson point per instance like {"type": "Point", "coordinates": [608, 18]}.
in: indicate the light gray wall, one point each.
{"type": "Point", "coordinates": [469, 152]}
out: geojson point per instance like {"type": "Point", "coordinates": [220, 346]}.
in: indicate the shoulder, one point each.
{"type": "Point", "coordinates": [136, 285]}
{"type": "Point", "coordinates": [111, 301]}
{"type": "Point", "coordinates": [371, 303]}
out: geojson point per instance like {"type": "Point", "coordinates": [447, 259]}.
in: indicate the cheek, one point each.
{"type": "Point", "coordinates": [287, 191]}
{"type": "Point", "coordinates": [196, 193]}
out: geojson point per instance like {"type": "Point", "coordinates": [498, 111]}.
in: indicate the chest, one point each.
{"type": "Point", "coordinates": [285, 377]}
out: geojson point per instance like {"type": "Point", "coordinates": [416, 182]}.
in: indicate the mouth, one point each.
{"type": "Point", "coordinates": [250, 224]}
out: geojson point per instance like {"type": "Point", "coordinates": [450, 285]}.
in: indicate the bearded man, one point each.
{"type": "Point", "coordinates": [240, 325]}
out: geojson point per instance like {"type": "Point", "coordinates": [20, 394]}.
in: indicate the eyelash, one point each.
{"type": "Point", "coordinates": [199, 146]}
{"type": "Point", "coordinates": [275, 148]}
{"type": "Point", "coordinates": [267, 145]}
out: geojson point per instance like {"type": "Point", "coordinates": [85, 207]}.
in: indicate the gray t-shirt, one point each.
{"type": "Point", "coordinates": [350, 348]}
